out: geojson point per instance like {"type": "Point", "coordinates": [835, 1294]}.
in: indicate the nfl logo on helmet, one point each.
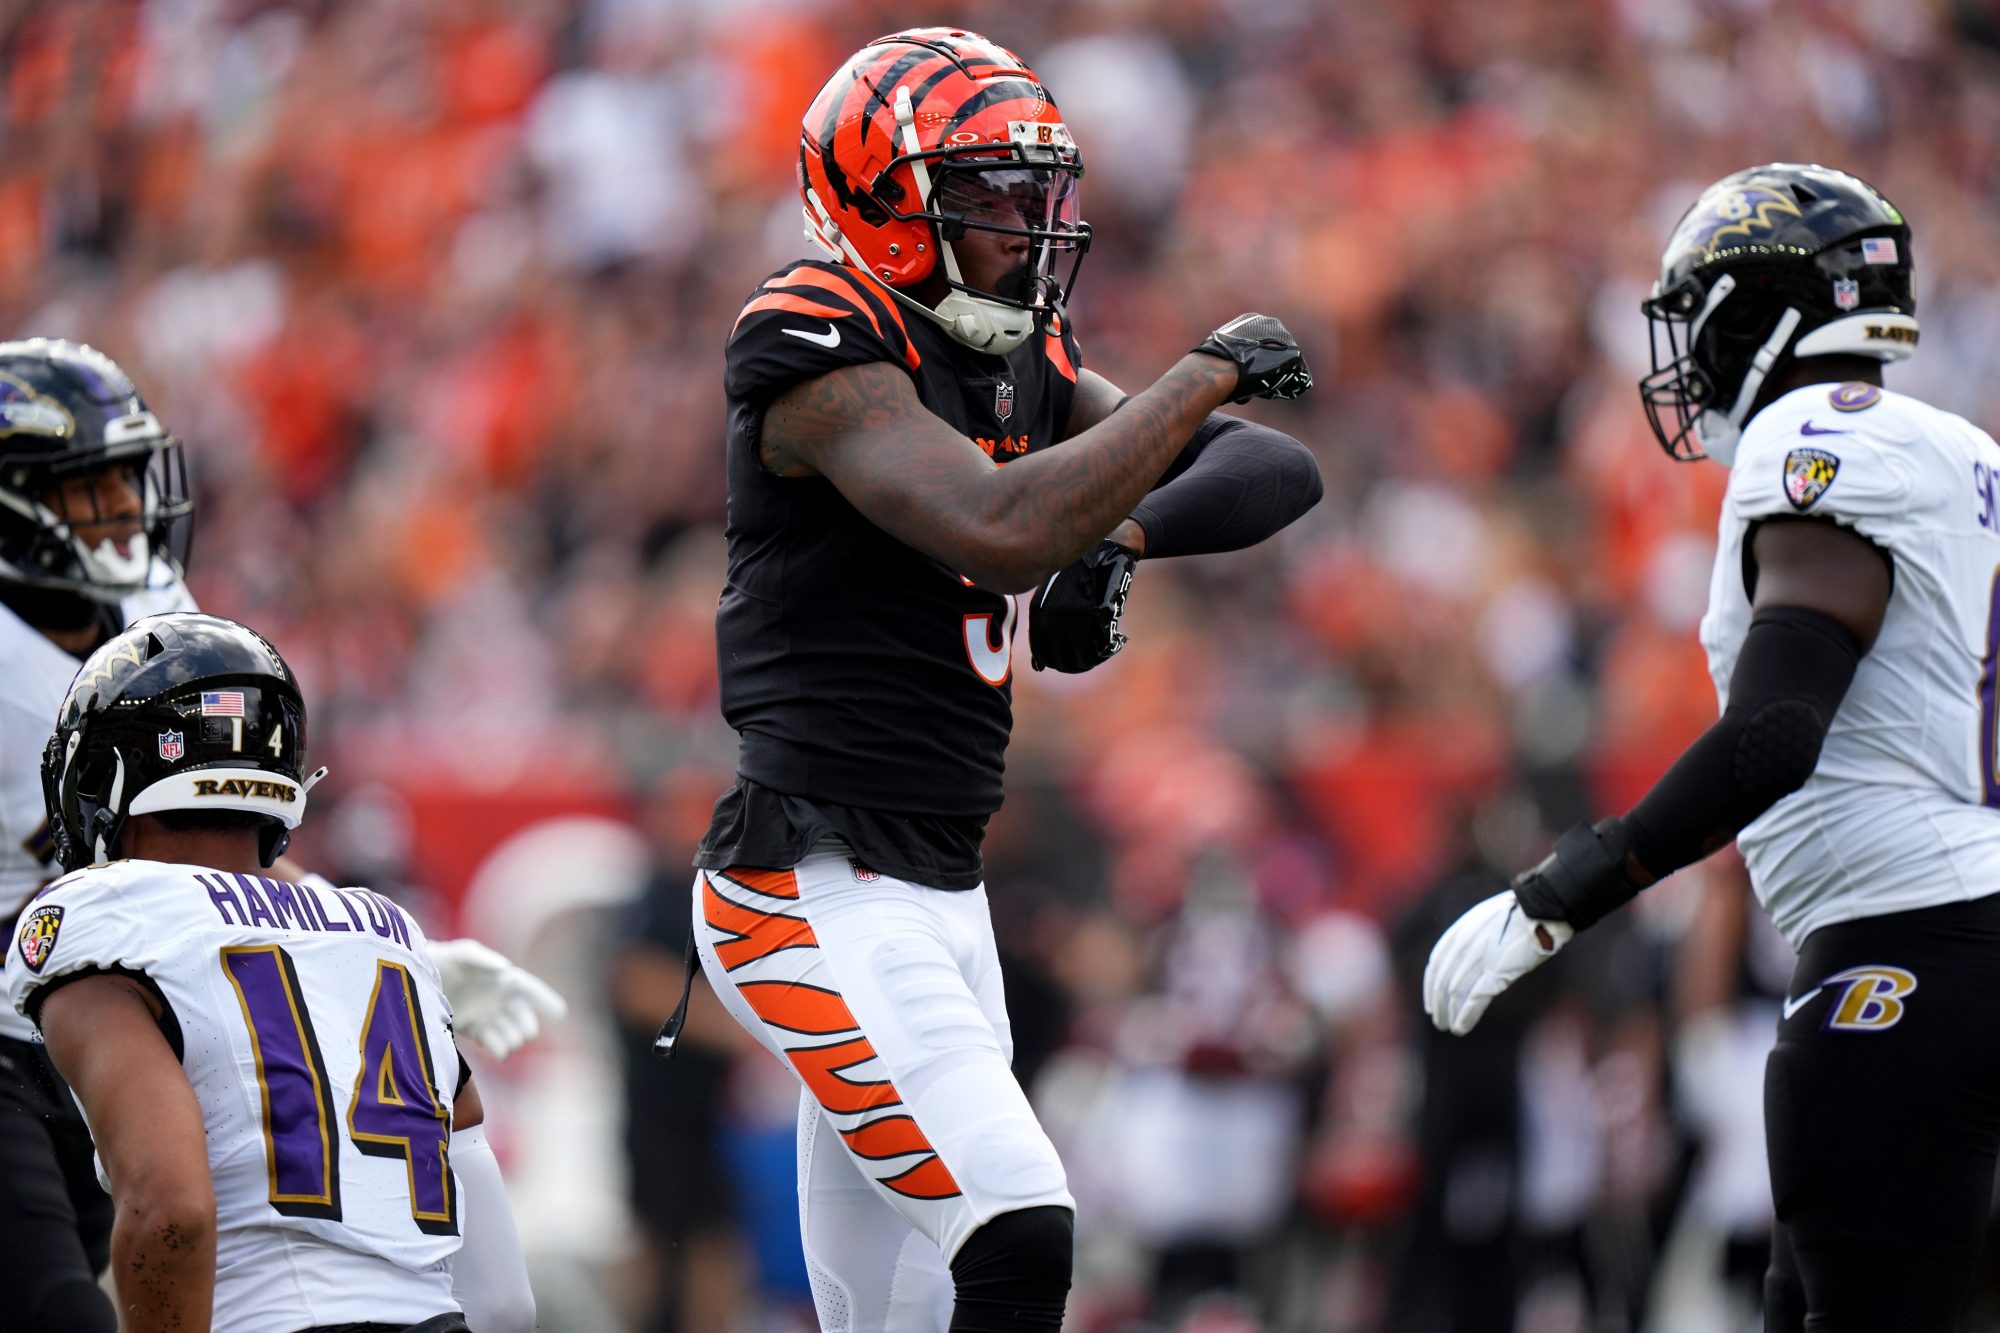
{"type": "Point", "coordinates": [171, 747]}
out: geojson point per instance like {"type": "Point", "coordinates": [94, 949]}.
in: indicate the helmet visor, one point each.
{"type": "Point", "coordinates": [1038, 204]}
{"type": "Point", "coordinates": [1025, 200]}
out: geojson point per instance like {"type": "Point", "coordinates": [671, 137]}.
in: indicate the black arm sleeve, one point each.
{"type": "Point", "coordinates": [1790, 677]}
{"type": "Point", "coordinates": [1235, 484]}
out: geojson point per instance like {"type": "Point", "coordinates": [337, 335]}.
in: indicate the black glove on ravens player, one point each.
{"type": "Point", "coordinates": [1268, 361]}
{"type": "Point", "coordinates": [1073, 621]}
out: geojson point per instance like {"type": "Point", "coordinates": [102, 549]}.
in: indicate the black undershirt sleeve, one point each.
{"type": "Point", "coordinates": [1794, 669]}
{"type": "Point", "coordinates": [1235, 484]}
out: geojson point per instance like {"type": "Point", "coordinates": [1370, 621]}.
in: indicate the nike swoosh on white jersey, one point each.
{"type": "Point", "coordinates": [831, 338]}
{"type": "Point", "coordinates": [1793, 1006]}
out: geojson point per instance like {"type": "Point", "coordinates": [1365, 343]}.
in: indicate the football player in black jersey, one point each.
{"type": "Point", "coordinates": [894, 485]}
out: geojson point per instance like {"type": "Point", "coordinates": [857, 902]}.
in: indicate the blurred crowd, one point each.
{"type": "Point", "coordinates": [436, 292]}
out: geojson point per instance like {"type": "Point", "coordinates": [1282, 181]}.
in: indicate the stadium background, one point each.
{"type": "Point", "coordinates": [436, 290]}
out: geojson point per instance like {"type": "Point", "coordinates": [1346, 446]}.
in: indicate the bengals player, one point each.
{"type": "Point", "coordinates": [914, 443]}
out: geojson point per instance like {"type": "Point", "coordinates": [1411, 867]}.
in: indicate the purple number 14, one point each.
{"type": "Point", "coordinates": [395, 1111]}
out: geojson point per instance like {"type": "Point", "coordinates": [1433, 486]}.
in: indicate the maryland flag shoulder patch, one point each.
{"type": "Point", "coordinates": [38, 935]}
{"type": "Point", "coordinates": [1808, 472]}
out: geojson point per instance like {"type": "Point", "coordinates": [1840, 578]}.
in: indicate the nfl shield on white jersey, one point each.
{"type": "Point", "coordinates": [1903, 810]}
{"type": "Point", "coordinates": [318, 1042]}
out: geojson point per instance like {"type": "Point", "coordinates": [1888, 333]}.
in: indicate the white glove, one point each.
{"type": "Point", "coordinates": [494, 1000]}
{"type": "Point", "coordinates": [1487, 950]}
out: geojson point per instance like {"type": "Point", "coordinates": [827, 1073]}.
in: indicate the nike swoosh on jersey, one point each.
{"type": "Point", "coordinates": [1807, 429]}
{"type": "Point", "coordinates": [1793, 1006]}
{"type": "Point", "coordinates": [831, 338]}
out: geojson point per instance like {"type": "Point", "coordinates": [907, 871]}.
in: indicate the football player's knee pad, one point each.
{"type": "Point", "coordinates": [74, 1305]}
{"type": "Point", "coordinates": [1012, 1275]}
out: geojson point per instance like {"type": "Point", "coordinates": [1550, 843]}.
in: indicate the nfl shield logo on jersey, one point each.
{"type": "Point", "coordinates": [1808, 472]}
{"type": "Point", "coordinates": [1846, 293]}
{"type": "Point", "coordinates": [171, 747]}
{"type": "Point", "coordinates": [38, 936]}
{"type": "Point", "coordinates": [1003, 399]}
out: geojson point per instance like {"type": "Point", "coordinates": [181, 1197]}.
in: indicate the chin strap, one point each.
{"type": "Point", "coordinates": [108, 819]}
{"type": "Point", "coordinates": [1760, 365]}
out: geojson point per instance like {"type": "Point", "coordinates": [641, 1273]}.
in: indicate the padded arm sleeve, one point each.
{"type": "Point", "coordinates": [1235, 484]}
{"type": "Point", "coordinates": [489, 1279]}
{"type": "Point", "coordinates": [1792, 673]}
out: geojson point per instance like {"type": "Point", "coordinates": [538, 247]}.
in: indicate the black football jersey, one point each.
{"type": "Point", "coordinates": [857, 670]}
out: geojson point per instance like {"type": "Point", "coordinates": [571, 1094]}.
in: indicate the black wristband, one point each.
{"type": "Point", "coordinates": [1583, 879]}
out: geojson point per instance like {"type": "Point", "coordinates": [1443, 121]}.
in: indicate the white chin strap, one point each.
{"type": "Point", "coordinates": [985, 326]}
{"type": "Point", "coordinates": [1718, 433]}
{"type": "Point", "coordinates": [100, 853]}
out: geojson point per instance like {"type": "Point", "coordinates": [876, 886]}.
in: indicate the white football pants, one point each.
{"type": "Point", "coordinates": [884, 998]}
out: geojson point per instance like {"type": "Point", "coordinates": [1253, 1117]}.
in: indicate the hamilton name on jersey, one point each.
{"type": "Point", "coordinates": [1903, 809]}
{"type": "Point", "coordinates": [255, 900]}
{"type": "Point", "coordinates": [856, 669]}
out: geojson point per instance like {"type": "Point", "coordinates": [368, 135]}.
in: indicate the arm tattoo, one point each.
{"type": "Point", "coordinates": [908, 472]}
{"type": "Point", "coordinates": [1096, 398]}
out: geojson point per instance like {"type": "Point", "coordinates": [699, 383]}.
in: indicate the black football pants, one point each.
{"type": "Point", "coordinates": [55, 1223]}
{"type": "Point", "coordinates": [1882, 1118]}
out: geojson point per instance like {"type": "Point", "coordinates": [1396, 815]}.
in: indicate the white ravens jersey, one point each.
{"type": "Point", "coordinates": [34, 677]}
{"type": "Point", "coordinates": [318, 1040]}
{"type": "Point", "coordinates": [1903, 810]}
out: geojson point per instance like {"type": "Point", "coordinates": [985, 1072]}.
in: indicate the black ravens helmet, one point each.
{"type": "Point", "coordinates": [68, 412]}
{"type": "Point", "coordinates": [1778, 261]}
{"type": "Point", "coordinates": [181, 712]}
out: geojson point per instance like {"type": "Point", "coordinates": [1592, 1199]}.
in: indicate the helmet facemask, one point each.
{"type": "Point", "coordinates": [1711, 356]}
{"type": "Point", "coordinates": [1005, 198]}
{"type": "Point", "coordinates": [59, 541]}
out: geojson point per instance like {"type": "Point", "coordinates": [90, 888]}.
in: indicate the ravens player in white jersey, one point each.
{"type": "Point", "coordinates": [1853, 633]}
{"type": "Point", "coordinates": [289, 1135]}
{"type": "Point", "coordinates": [94, 520]}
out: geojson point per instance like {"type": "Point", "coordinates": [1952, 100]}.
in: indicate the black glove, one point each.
{"type": "Point", "coordinates": [1073, 621]}
{"type": "Point", "coordinates": [1268, 361]}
